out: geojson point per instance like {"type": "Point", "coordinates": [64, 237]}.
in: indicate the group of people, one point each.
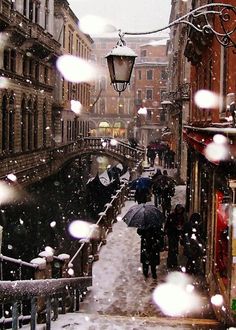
{"type": "Point", "coordinates": [176, 230]}
{"type": "Point", "coordinates": [166, 156]}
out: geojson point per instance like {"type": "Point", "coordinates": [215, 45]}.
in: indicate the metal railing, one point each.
{"type": "Point", "coordinates": [52, 290]}
{"type": "Point", "coordinates": [28, 166]}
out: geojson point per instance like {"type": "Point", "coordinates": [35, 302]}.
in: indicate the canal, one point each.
{"type": "Point", "coordinates": [42, 216]}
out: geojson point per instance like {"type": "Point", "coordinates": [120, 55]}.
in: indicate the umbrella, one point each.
{"type": "Point", "coordinates": [141, 183]}
{"type": "Point", "coordinates": [143, 216]}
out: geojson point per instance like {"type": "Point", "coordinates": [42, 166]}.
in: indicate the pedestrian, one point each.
{"type": "Point", "coordinates": [174, 230]}
{"type": "Point", "coordinates": [156, 188]}
{"type": "Point", "coordinates": [163, 190]}
{"type": "Point", "coordinates": [193, 245]}
{"type": "Point", "coordinates": [151, 155]}
{"type": "Point", "coordinates": [152, 243]}
{"type": "Point", "coordinates": [142, 195]}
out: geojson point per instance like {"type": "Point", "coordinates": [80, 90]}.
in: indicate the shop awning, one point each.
{"type": "Point", "coordinates": [200, 138]}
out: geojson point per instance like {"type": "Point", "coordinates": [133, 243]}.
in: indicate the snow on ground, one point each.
{"type": "Point", "coordinates": [120, 298]}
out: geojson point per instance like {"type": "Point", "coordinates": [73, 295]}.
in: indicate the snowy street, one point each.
{"type": "Point", "coordinates": [121, 298]}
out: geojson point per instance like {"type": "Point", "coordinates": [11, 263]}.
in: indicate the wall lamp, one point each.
{"type": "Point", "coordinates": [121, 58]}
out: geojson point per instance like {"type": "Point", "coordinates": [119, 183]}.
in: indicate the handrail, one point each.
{"type": "Point", "coordinates": [18, 290]}
{"type": "Point", "coordinates": [18, 261]}
{"type": "Point", "coordinates": [99, 220]}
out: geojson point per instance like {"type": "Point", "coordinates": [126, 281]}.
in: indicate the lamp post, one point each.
{"type": "Point", "coordinates": [121, 59]}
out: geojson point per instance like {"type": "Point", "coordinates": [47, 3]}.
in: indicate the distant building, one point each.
{"type": "Point", "coordinates": [112, 114]}
{"type": "Point", "coordinates": [150, 79]}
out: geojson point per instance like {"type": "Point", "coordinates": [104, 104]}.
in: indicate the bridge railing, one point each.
{"type": "Point", "coordinates": [29, 166]}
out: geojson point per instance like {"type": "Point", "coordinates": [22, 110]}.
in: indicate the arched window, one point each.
{"type": "Point", "coordinates": [30, 124]}
{"type": "Point", "coordinates": [23, 124]}
{"type": "Point", "coordinates": [4, 123]}
{"type": "Point", "coordinates": [11, 122]}
{"type": "Point", "coordinates": [44, 124]}
{"type": "Point", "coordinates": [35, 112]}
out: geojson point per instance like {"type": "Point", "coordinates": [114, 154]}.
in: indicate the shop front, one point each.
{"type": "Point", "coordinates": [211, 187]}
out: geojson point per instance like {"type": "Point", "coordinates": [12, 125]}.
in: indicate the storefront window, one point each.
{"type": "Point", "coordinates": [222, 237]}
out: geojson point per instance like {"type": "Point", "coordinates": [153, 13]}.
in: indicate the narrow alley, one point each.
{"type": "Point", "coordinates": [121, 298]}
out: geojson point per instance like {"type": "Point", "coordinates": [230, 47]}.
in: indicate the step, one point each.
{"type": "Point", "coordinates": [72, 321]}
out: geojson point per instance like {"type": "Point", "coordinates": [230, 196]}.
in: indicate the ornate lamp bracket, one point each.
{"type": "Point", "coordinates": [224, 14]}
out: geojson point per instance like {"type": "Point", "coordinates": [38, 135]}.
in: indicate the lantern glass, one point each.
{"type": "Point", "coordinates": [120, 64]}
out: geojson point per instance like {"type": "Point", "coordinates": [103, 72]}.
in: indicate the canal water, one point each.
{"type": "Point", "coordinates": [41, 219]}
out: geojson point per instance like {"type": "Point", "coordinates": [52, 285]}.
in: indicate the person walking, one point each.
{"type": "Point", "coordinates": [193, 244]}
{"type": "Point", "coordinates": [156, 188]}
{"type": "Point", "coordinates": [163, 190]}
{"type": "Point", "coordinates": [174, 229]}
{"type": "Point", "coordinates": [152, 243]}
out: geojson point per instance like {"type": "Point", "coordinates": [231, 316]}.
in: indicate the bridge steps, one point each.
{"type": "Point", "coordinates": [88, 321]}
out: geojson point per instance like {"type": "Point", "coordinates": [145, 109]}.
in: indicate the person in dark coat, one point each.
{"type": "Point", "coordinates": [156, 190]}
{"type": "Point", "coordinates": [142, 195]}
{"type": "Point", "coordinates": [174, 230]}
{"type": "Point", "coordinates": [152, 243]}
{"type": "Point", "coordinates": [193, 244]}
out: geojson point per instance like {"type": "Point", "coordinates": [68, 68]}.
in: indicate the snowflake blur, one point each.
{"type": "Point", "coordinates": [206, 99]}
{"type": "Point", "coordinates": [218, 149]}
{"type": "Point", "coordinates": [76, 69]}
{"type": "Point", "coordinates": [176, 297]}
{"type": "Point", "coordinates": [83, 229]}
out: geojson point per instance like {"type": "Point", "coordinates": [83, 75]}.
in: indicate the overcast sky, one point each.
{"type": "Point", "coordinates": [127, 15]}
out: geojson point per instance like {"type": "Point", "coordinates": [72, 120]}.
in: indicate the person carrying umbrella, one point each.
{"type": "Point", "coordinates": [149, 221]}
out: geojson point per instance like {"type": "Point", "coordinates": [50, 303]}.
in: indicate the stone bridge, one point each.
{"type": "Point", "coordinates": [33, 166]}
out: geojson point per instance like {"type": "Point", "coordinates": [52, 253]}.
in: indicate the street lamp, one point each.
{"type": "Point", "coordinates": [120, 62]}
{"type": "Point", "coordinates": [121, 59]}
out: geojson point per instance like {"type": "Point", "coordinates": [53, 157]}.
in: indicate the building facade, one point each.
{"type": "Point", "coordinates": [211, 174]}
{"type": "Point", "coordinates": [68, 124]}
{"type": "Point", "coordinates": [150, 79]}
{"type": "Point", "coordinates": [28, 51]}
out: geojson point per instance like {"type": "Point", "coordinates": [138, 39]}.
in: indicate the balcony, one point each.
{"type": "Point", "coordinates": [5, 10]}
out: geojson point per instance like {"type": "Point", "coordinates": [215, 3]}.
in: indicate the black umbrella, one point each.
{"type": "Point", "coordinates": [144, 216]}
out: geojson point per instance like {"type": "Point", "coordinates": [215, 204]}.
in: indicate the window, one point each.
{"type": "Point", "coordinates": [70, 40]}
{"type": "Point", "coordinates": [139, 74]}
{"type": "Point", "coordinates": [46, 15]}
{"type": "Point", "coordinates": [37, 11]}
{"type": "Point", "coordinates": [25, 8]}
{"type": "Point", "coordinates": [149, 114]}
{"type": "Point", "coordinates": [4, 123]}
{"type": "Point", "coordinates": [36, 70]}
{"type": "Point", "coordinates": [11, 122]}
{"type": "Point", "coordinates": [143, 53]}
{"type": "Point", "coordinates": [164, 74]}
{"type": "Point", "coordinates": [149, 93]}
{"type": "Point", "coordinates": [31, 10]}
{"type": "Point", "coordinates": [9, 60]}
{"type": "Point", "coordinates": [30, 124]}
{"type": "Point", "coordinates": [64, 36]}
{"type": "Point", "coordinates": [149, 74]}
{"type": "Point", "coordinates": [44, 124]}
{"type": "Point", "coordinates": [139, 97]}
{"type": "Point", "coordinates": [46, 74]}
{"type": "Point", "coordinates": [23, 124]}
{"type": "Point", "coordinates": [35, 114]}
